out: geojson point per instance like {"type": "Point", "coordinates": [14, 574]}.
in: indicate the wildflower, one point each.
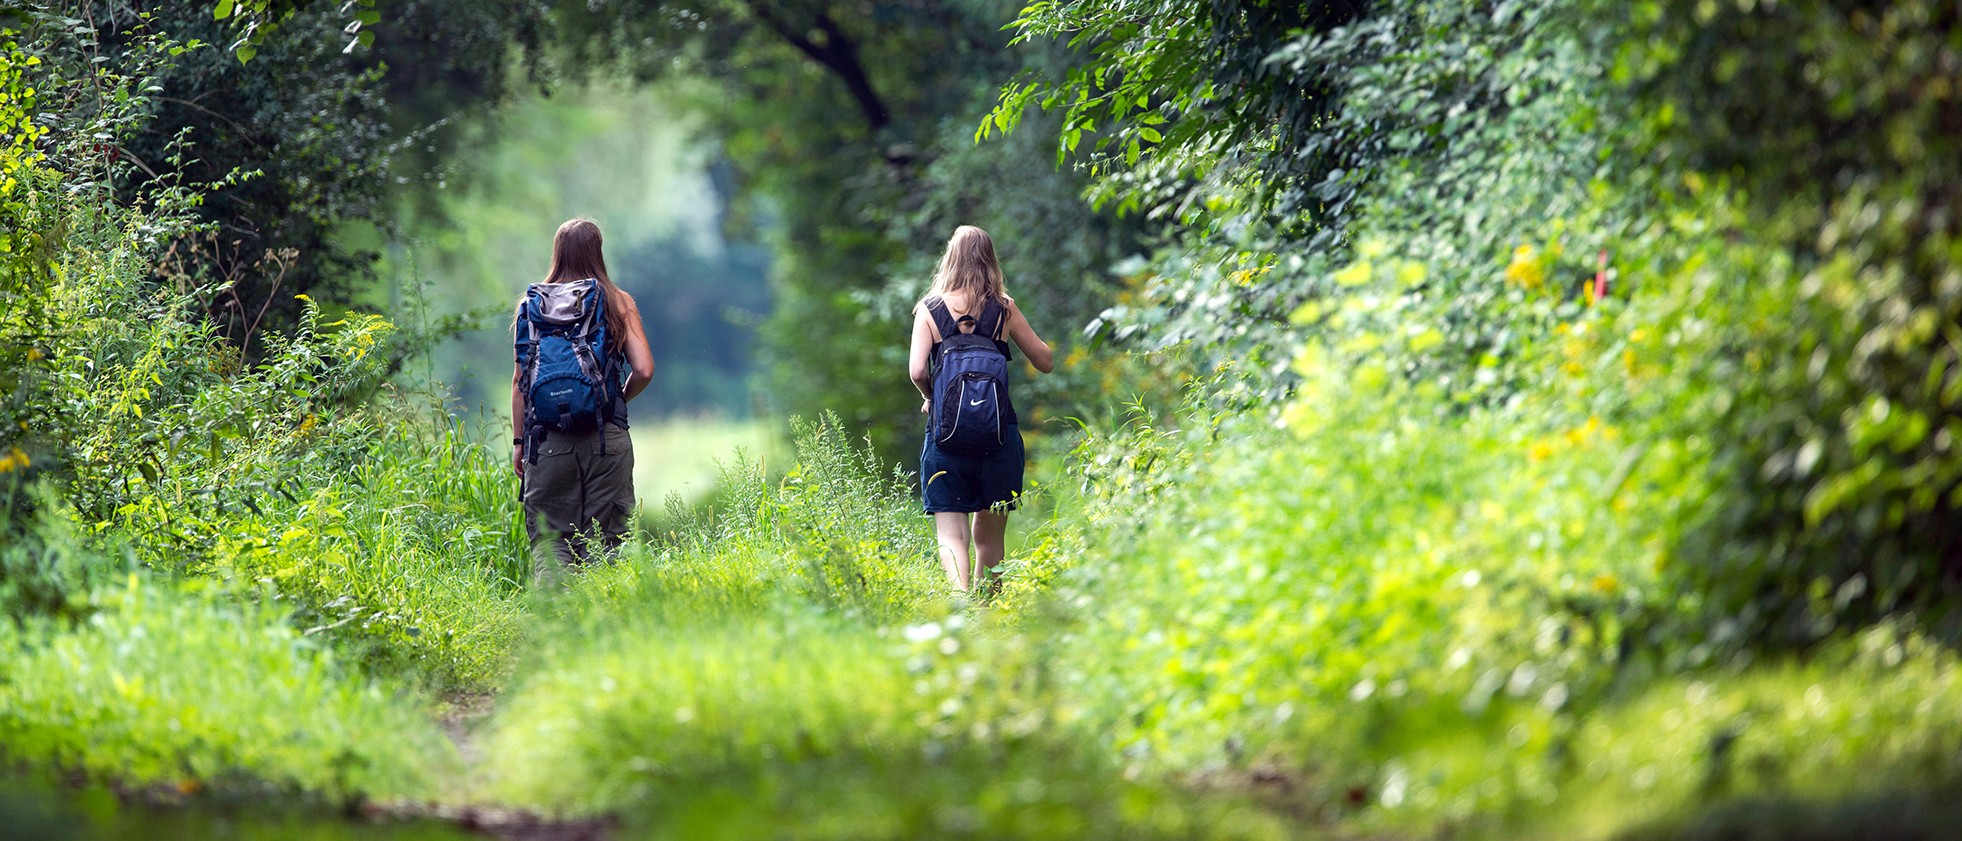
{"type": "Point", "coordinates": [1580, 434]}
{"type": "Point", "coordinates": [1539, 451]}
{"type": "Point", "coordinates": [15, 460]}
{"type": "Point", "coordinates": [1526, 268]}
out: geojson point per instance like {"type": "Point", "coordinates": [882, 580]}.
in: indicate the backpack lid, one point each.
{"type": "Point", "coordinates": [563, 303]}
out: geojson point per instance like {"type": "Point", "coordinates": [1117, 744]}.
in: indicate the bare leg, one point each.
{"type": "Point", "coordinates": [952, 530]}
{"type": "Point", "coordinates": [990, 541]}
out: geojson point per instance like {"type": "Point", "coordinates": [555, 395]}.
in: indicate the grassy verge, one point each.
{"type": "Point", "coordinates": [191, 692]}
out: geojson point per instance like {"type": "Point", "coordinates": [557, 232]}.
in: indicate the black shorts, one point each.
{"type": "Point", "coordinates": [959, 483]}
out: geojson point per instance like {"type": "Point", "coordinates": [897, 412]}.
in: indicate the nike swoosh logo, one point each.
{"type": "Point", "coordinates": [975, 403]}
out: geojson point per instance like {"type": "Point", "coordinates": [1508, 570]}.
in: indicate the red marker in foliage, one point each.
{"type": "Point", "coordinates": [1601, 278]}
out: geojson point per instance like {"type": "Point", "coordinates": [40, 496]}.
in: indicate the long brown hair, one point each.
{"type": "Point", "coordinates": [577, 255]}
{"type": "Point", "coordinates": [969, 266]}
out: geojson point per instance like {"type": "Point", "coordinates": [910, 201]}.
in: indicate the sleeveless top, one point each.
{"type": "Point", "coordinates": [983, 325]}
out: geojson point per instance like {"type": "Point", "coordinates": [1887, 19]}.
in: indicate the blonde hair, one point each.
{"type": "Point", "coordinates": [969, 266]}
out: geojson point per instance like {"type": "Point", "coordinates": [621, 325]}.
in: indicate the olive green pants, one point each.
{"type": "Point", "coordinates": [575, 496]}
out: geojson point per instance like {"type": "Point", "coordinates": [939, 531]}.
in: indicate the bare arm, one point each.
{"type": "Point", "coordinates": [1032, 345]}
{"type": "Point", "coordinates": [639, 359]}
{"type": "Point", "coordinates": [917, 356]}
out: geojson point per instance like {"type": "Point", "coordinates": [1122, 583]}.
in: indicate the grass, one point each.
{"type": "Point", "coordinates": [194, 692]}
{"type": "Point", "coordinates": [794, 668]}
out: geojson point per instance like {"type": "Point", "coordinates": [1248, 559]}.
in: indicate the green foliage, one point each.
{"type": "Point", "coordinates": [1459, 130]}
{"type": "Point", "coordinates": [18, 154]}
{"type": "Point", "coordinates": [1845, 476]}
{"type": "Point", "coordinates": [1487, 198]}
{"type": "Point", "coordinates": [258, 19]}
{"type": "Point", "coordinates": [1508, 519]}
{"type": "Point", "coordinates": [159, 444]}
{"type": "Point", "coordinates": [1464, 618]}
{"type": "Point", "coordinates": [1193, 88]}
{"type": "Point", "coordinates": [1444, 539]}
{"type": "Point", "coordinates": [168, 688]}
{"type": "Point", "coordinates": [293, 150]}
{"type": "Point", "coordinates": [281, 471]}
{"type": "Point", "coordinates": [166, 614]}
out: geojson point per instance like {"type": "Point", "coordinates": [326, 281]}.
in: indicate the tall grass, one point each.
{"type": "Point", "coordinates": [197, 691]}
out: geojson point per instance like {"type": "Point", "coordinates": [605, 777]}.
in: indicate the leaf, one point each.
{"type": "Point", "coordinates": [1356, 274]}
{"type": "Point", "coordinates": [223, 10]}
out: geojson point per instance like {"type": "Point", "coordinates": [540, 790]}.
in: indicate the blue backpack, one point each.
{"type": "Point", "coordinates": [970, 381]}
{"type": "Point", "coordinates": [567, 375]}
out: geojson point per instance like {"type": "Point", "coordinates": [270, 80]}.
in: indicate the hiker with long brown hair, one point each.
{"type": "Point", "coordinates": [581, 356]}
{"type": "Point", "coordinates": [971, 462]}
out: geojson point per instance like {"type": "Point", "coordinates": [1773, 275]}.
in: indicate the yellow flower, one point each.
{"type": "Point", "coordinates": [1582, 433]}
{"type": "Point", "coordinates": [1606, 584]}
{"type": "Point", "coordinates": [15, 460]}
{"type": "Point", "coordinates": [1526, 268]}
{"type": "Point", "coordinates": [1539, 451]}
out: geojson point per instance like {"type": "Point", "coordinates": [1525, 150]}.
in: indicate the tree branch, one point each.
{"type": "Point", "coordinates": [838, 53]}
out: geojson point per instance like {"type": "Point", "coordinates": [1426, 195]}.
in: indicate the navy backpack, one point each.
{"type": "Point", "coordinates": [970, 381]}
{"type": "Point", "coordinates": [567, 375]}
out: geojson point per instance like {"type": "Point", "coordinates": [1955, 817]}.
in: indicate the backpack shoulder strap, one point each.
{"type": "Point", "coordinates": [942, 319]}
{"type": "Point", "coordinates": [993, 321]}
